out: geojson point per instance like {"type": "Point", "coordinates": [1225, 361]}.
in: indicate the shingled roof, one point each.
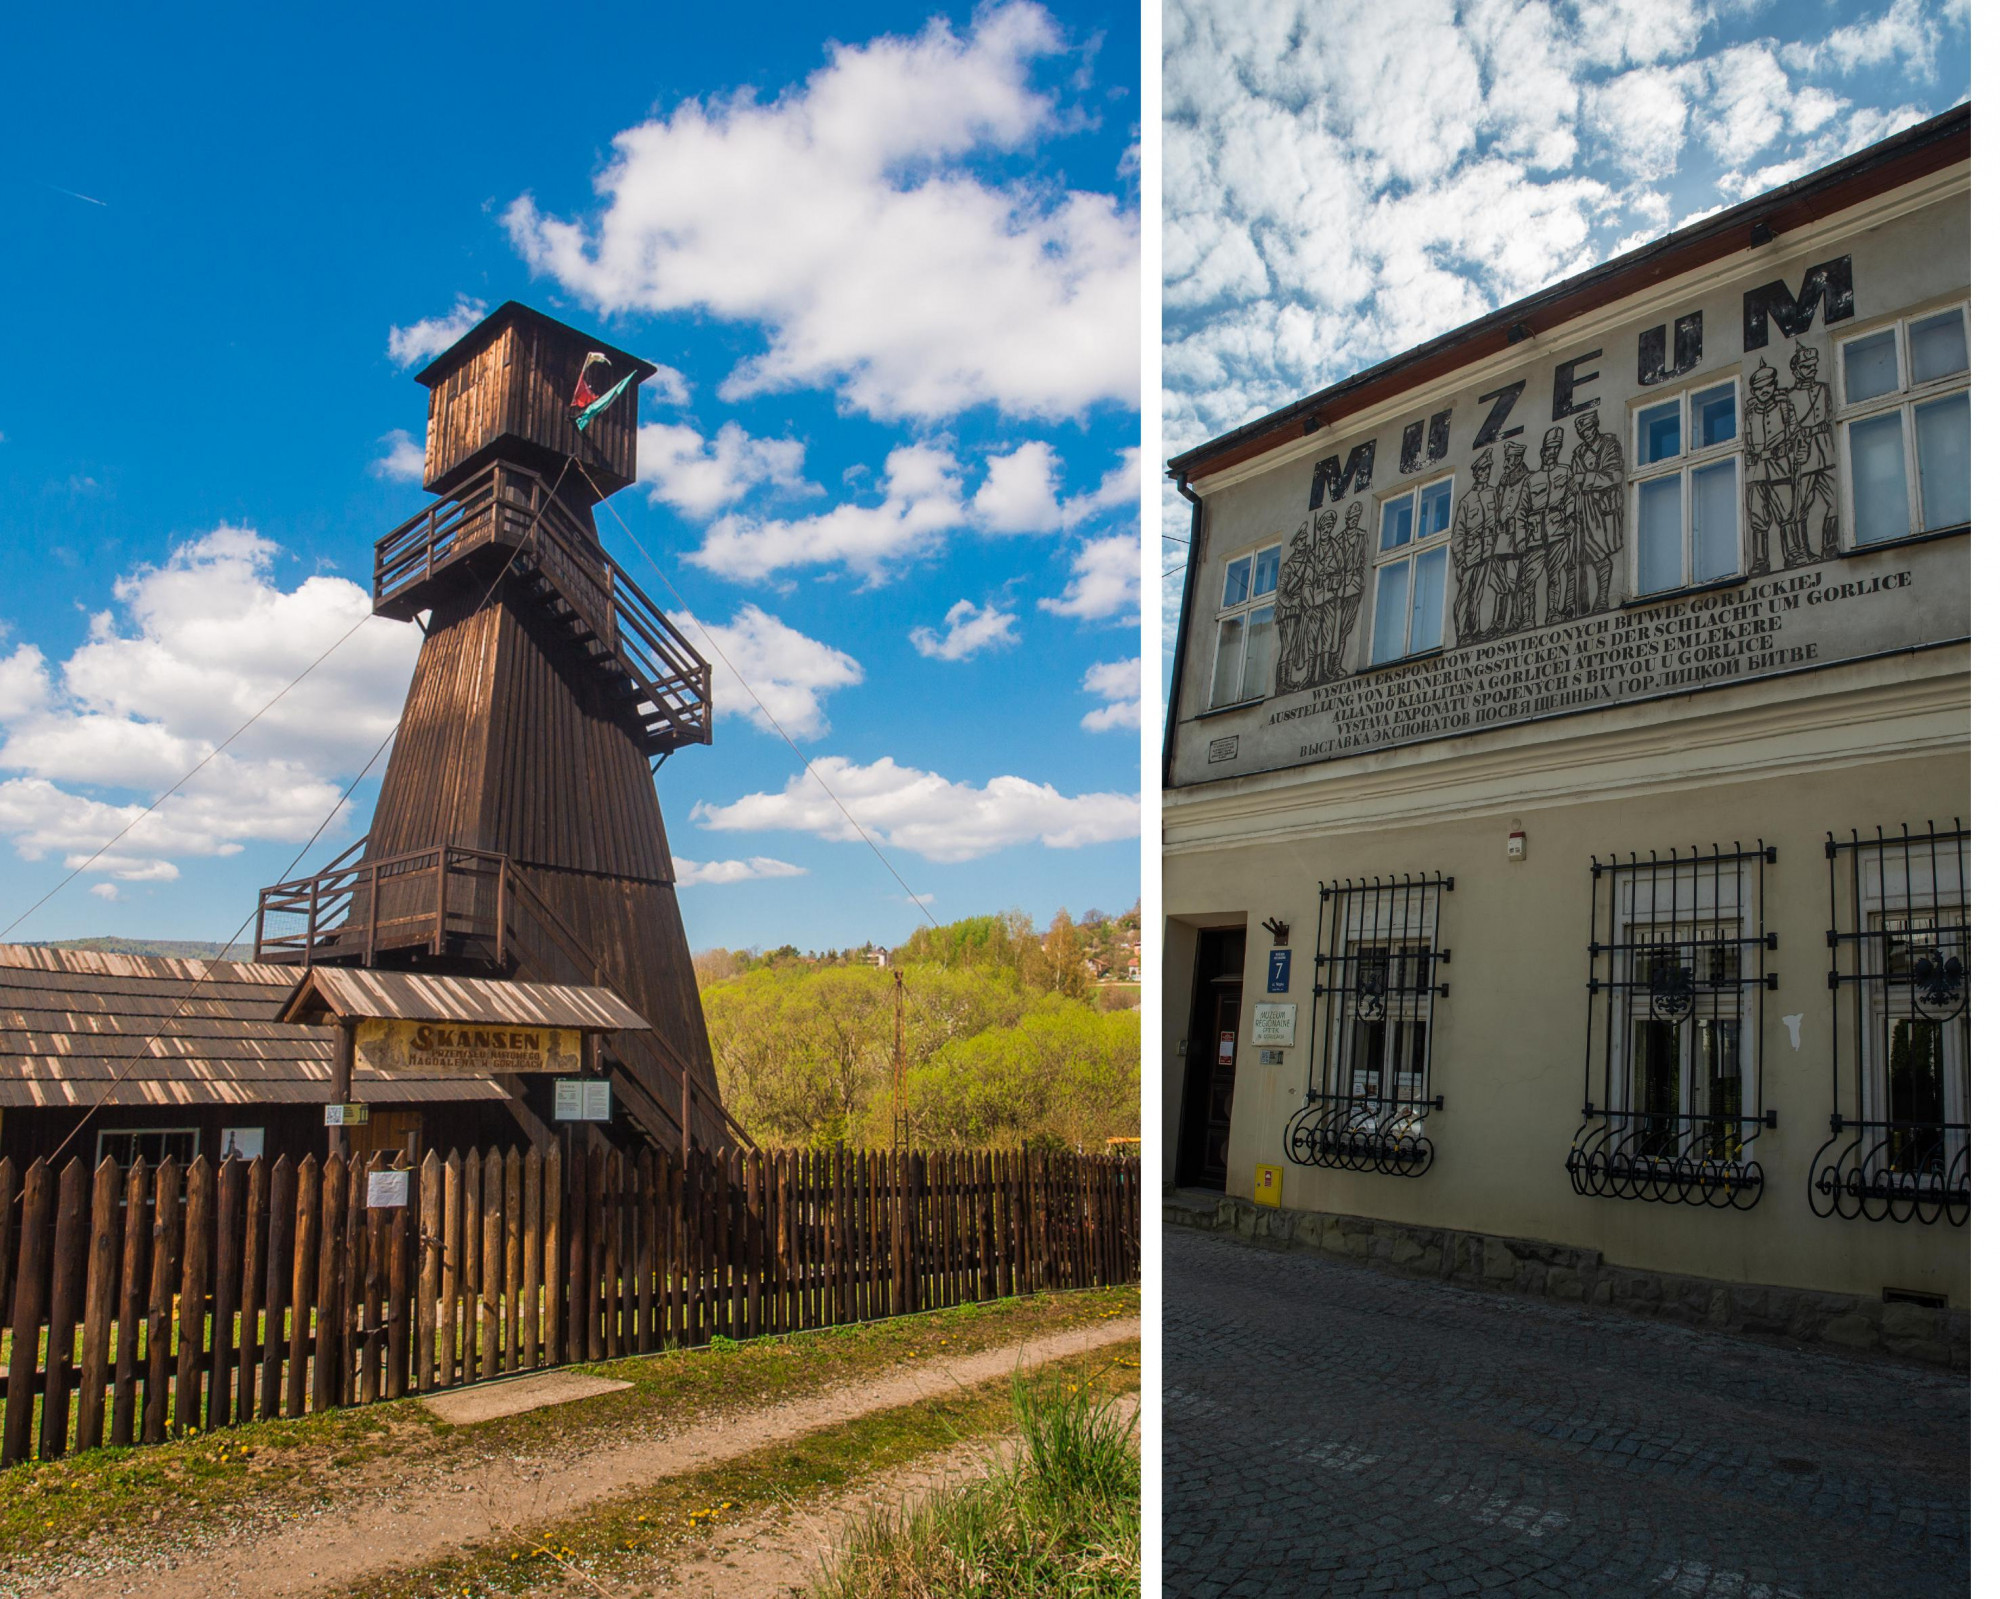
{"type": "Point", "coordinates": [81, 1027]}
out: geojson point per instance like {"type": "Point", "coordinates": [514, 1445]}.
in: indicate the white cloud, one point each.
{"type": "Point", "coordinates": [668, 385]}
{"type": "Point", "coordinates": [1907, 34]}
{"type": "Point", "coordinates": [855, 219]}
{"type": "Point", "coordinates": [922, 497]}
{"type": "Point", "coordinates": [1117, 683]}
{"type": "Point", "coordinates": [791, 673]}
{"type": "Point", "coordinates": [969, 629]}
{"type": "Point", "coordinates": [1104, 580]}
{"type": "Point", "coordinates": [433, 335]}
{"type": "Point", "coordinates": [403, 462]}
{"type": "Point", "coordinates": [204, 641]}
{"type": "Point", "coordinates": [755, 868]}
{"type": "Point", "coordinates": [105, 891]}
{"type": "Point", "coordinates": [1642, 118]}
{"type": "Point", "coordinates": [928, 814]}
{"type": "Point", "coordinates": [698, 476]}
{"type": "Point", "coordinates": [1019, 494]}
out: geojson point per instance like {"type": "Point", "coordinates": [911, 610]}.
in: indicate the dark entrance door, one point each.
{"type": "Point", "coordinates": [1208, 1090]}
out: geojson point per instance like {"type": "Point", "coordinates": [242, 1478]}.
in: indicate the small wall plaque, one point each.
{"type": "Point", "coordinates": [1274, 1024]}
{"type": "Point", "coordinates": [1222, 749]}
{"type": "Point", "coordinates": [388, 1189]}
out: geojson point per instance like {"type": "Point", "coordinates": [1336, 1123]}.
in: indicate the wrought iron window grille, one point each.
{"type": "Point", "coordinates": [1377, 977]}
{"type": "Point", "coordinates": [1673, 1086]}
{"type": "Point", "coordinates": [1900, 1141]}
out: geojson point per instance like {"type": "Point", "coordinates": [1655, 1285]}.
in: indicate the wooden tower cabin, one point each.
{"type": "Point", "coordinates": [518, 834]}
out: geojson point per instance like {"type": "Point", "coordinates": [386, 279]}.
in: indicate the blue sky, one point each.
{"type": "Point", "coordinates": [891, 270]}
{"type": "Point", "coordinates": [1347, 178]}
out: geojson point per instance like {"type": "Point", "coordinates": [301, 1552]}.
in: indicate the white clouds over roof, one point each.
{"type": "Point", "coordinates": [969, 291]}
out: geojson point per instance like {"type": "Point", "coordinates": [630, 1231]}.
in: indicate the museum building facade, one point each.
{"type": "Point", "coordinates": [1566, 824]}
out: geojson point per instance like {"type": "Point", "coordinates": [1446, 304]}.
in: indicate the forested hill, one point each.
{"type": "Point", "coordinates": [1006, 1037]}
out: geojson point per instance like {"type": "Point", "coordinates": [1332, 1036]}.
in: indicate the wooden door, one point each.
{"type": "Point", "coordinates": [393, 1130]}
{"type": "Point", "coordinates": [1223, 1055]}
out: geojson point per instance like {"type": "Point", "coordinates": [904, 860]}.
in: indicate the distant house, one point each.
{"type": "Point", "coordinates": [155, 1056]}
{"type": "Point", "coordinates": [1132, 967]}
{"type": "Point", "coordinates": [875, 955]}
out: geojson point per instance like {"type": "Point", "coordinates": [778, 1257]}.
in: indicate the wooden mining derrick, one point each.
{"type": "Point", "coordinates": [518, 833]}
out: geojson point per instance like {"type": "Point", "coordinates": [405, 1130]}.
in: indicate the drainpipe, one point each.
{"type": "Point", "coordinates": [1181, 635]}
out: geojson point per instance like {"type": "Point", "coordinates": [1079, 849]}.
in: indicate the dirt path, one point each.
{"type": "Point", "coordinates": [344, 1544]}
{"type": "Point", "coordinates": [777, 1556]}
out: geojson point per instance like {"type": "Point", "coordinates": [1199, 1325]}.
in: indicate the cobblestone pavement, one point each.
{"type": "Point", "coordinates": [1332, 1429]}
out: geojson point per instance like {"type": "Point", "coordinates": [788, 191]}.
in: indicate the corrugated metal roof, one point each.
{"type": "Point", "coordinates": [345, 992]}
{"type": "Point", "coordinates": [79, 1027]}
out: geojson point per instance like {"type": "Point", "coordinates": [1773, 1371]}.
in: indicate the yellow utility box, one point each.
{"type": "Point", "coordinates": [1270, 1189]}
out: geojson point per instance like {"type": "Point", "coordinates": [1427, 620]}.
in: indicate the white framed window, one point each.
{"type": "Point", "coordinates": [1411, 557]}
{"type": "Point", "coordinates": [1687, 489]}
{"type": "Point", "coordinates": [1916, 1048]}
{"type": "Point", "coordinates": [1246, 627]}
{"type": "Point", "coordinates": [1905, 403]}
{"type": "Point", "coordinates": [152, 1144]}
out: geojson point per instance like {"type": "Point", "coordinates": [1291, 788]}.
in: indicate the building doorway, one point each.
{"type": "Point", "coordinates": [1208, 1091]}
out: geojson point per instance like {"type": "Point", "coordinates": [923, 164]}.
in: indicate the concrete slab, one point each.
{"type": "Point", "coordinates": [489, 1401]}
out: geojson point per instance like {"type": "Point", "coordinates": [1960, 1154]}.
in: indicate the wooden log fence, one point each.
{"type": "Point", "coordinates": [147, 1303]}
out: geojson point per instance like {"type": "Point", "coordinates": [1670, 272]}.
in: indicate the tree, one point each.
{"type": "Point", "coordinates": [1067, 973]}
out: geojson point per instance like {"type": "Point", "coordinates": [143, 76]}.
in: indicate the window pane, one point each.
{"type": "Point", "coordinates": [1236, 582]}
{"type": "Point", "coordinates": [1714, 416]}
{"type": "Point", "coordinates": [1228, 662]}
{"type": "Point", "coordinates": [1392, 595]}
{"type": "Point", "coordinates": [1257, 645]}
{"type": "Point", "coordinates": [1396, 522]}
{"type": "Point", "coordinates": [1944, 461]}
{"type": "Point", "coordinates": [1660, 534]}
{"type": "Point", "coordinates": [1881, 492]}
{"type": "Point", "coordinates": [1427, 608]}
{"type": "Point", "coordinates": [1713, 502]}
{"type": "Point", "coordinates": [1937, 346]}
{"type": "Point", "coordinates": [1267, 571]}
{"type": "Point", "coordinates": [1434, 514]}
{"type": "Point", "coordinates": [1660, 432]}
{"type": "Point", "coordinates": [1870, 365]}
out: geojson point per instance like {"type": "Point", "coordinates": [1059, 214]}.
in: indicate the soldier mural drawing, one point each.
{"type": "Point", "coordinates": [1504, 571]}
{"type": "Point", "coordinates": [1347, 576]}
{"type": "Point", "coordinates": [1597, 465]}
{"type": "Point", "coordinates": [1814, 507]}
{"type": "Point", "coordinates": [1474, 531]}
{"type": "Point", "coordinates": [1770, 463]}
{"type": "Point", "coordinates": [1295, 612]}
{"type": "Point", "coordinates": [1546, 522]}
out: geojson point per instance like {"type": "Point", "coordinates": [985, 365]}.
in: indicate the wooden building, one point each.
{"type": "Point", "coordinates": [517, 833]}
{"type": "Point", "coordinates": [187, 1057]}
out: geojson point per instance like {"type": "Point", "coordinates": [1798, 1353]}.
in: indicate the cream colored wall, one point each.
{"type": "Point", "coordinates": [1879, 744]}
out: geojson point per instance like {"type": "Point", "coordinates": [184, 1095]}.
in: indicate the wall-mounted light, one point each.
{"type": "Point", "coordinates": [1517, 843]}
{"type": "Point", "coordinates": [1761, 233]}
{"type": "Point", "coordinates": [1518, 332]}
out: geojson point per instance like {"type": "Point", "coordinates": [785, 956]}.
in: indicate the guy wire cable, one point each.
{"type": "Point", "coordinates": [145, 1049]}
{"type": "Point", "coordinates": [775, 723]}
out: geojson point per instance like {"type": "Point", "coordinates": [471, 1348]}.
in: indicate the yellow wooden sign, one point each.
{"type": "Point", "coordinates": [1270, 1189]}
{"type": "Point", "coordinates": [476, 1049]}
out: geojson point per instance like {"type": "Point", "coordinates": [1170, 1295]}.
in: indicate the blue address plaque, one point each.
{"type": "Point", "coordinates": [1281, 972]}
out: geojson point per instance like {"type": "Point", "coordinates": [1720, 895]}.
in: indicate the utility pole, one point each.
{"type": "Point", "coordinates": [899, 1088]}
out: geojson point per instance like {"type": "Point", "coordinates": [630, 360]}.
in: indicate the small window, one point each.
{"type": "Point", "coordinates": [1908, 420]}
{"type": "Point", "coordinates": [126, 1145]}
{"type": "Point", "coordinates": [1246, 631]}
{"type": "Point", "coordinates": [1410, 582]}
{"type": "Point", "coordinates": [1688, 499]}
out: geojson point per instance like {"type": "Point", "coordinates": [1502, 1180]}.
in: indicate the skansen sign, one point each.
{"type": "Point", "coordinates": [1672, 507]}
{"type": "Point", "coordinates": [476, 1049]}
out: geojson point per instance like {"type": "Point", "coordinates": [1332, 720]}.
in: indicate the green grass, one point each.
{"type": "Point", "coordinates": [1058, 1519]}
{"type": "Point", "coordinates": [204, 1483]}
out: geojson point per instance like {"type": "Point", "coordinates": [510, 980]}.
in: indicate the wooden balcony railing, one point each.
{"type": "Point", "coordinates": [510, 512]}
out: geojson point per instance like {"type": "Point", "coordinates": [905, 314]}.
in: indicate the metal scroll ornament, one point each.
{"type": "Point", "coordinates": [1672, 991]}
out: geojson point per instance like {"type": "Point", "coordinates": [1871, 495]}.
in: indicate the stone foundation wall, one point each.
{"type": "Point", "coordinates": [1561, 1271]}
